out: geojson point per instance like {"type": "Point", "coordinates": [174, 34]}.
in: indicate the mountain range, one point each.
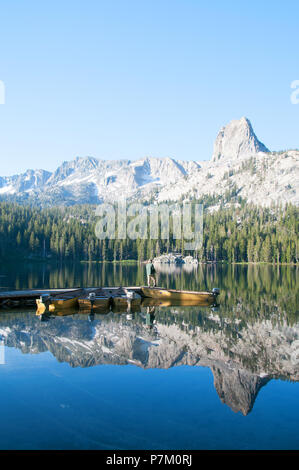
{"type": "Point", "coordinates": [240, 164]}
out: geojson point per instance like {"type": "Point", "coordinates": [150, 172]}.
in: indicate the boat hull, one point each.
{"type": "Point", "coordinates": [122, 302]}
{"type": "Point", "coordinates": [61, 304]}
{"type": "Point", "coordinates": [41, 307]}
{"type": "Point", "coordinates": [155, 302]}
{"type": "Point", "coordinates": [56, 304]}
{"type": "Point", "coordinates": [102, 303]}
{"type": "Point", "coordinates": [177, 295]}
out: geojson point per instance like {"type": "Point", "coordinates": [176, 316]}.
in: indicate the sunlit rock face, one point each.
{"type": "Point", "coordinates": [237, 140]}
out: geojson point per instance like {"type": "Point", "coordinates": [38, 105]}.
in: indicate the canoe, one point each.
{"type": "Point", "coordinates": [182, 295]}
{"type": "Point", "coordinates": [98, 299]}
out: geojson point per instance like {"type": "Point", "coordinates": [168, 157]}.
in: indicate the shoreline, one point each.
{"type": "Point", "coordinates": [134, 262]}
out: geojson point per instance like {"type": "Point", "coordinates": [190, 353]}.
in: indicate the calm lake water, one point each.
{"type": "Point", "coordinates": [163, 377]}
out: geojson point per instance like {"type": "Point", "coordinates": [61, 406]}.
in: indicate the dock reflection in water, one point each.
{"type": "Point", "coordinates": [243, 353]}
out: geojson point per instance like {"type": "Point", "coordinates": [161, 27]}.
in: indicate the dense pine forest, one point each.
{"type": "Point", "coordinates": [237, 234]}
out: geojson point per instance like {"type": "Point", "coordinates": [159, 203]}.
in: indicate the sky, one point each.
{"type": "Point", "coordinates": [133, 78]}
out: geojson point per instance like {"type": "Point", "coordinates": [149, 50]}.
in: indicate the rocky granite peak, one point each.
{"type": "Point", "coordinates": [237, 140]}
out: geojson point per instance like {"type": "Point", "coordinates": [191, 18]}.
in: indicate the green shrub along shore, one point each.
{"type": "Point", "coordinates": [244, 234]}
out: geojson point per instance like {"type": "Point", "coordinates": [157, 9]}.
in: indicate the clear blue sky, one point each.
{"type": "Point", "coordinates": [126, 78]}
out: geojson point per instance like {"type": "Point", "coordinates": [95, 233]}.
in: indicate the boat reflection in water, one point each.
{"type": "Point", "coordinates": [243, 352]}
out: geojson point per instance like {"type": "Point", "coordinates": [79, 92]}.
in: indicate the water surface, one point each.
{"type": "Point", "coordinates": [161, 377]}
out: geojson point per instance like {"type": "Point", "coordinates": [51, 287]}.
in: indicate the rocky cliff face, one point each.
{"type": "Point", "coordinates": [240, 164]}
{"type": "Point", "coordinates": [237, 140]}
{"type": "Point", "coordinates": [241, 363]}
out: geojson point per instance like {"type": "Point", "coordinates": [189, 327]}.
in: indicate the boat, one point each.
{"type": "Point", "coordinates": [123, 299]}
{"type": "Point", "coordinates": [126, 308]}
{"type": "Point", "coordinates": [64, 312]}
{"type": "Point", "coordinates": [159, 302]}
{"type": "Point", "coordinates": [66, 300]}
{"type": "Point", "coordinates": [181, 295]}
{"type": "Point", "coordinates": [98, 299]}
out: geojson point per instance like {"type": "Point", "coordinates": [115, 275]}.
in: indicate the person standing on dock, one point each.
{"type": "Point", "coordinates": [150, 272]}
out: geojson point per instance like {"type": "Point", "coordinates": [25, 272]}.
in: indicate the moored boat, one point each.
{"type": "Point", "coordinates": [123, 299]}
{"type": "Point", "coordinates": [180, 295]}
{"type": "Point", "coordinates": [67, 300]}
{"type": "Point", "coordinates": [159, 302]}
{"type": "Point", "coordinates": [98, 299]}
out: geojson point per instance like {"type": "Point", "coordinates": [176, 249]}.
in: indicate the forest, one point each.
{"type": "Point", "coordinates": [242, 233]}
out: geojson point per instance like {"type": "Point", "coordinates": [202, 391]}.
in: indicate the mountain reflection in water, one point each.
{"type": "Point", "coordinates": [243, 351]}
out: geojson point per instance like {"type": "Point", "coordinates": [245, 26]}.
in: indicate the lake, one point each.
{"type": "Point", "coordinates": [164, 377]}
